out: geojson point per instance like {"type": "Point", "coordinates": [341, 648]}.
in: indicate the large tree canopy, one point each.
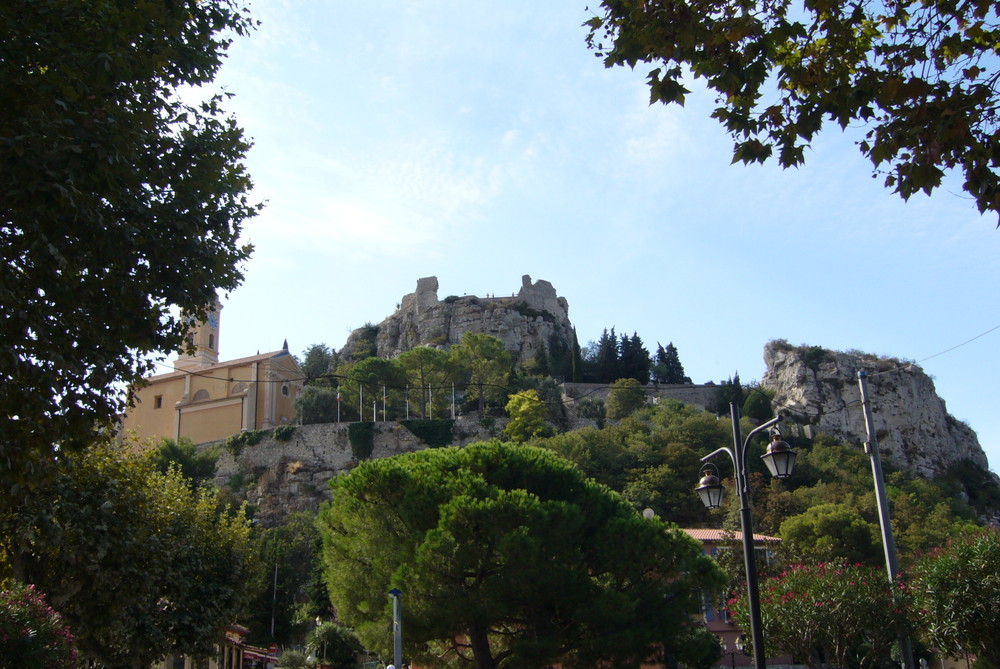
{"type": "Point", "coordinates": [121, 204]}
{"type": "Point", "coordinates": [137, 562]}
{"type": "Point", "coordinates": [507, 556]}
{"type": "Point", "coordinates": [920, 76]}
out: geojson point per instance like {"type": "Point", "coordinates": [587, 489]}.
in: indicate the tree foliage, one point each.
{"type": "Point", "coordinates": [335, 645]}
{"type": "Point", "coordinates": [377, 386]}
{"type": "Point", "coordinates": [920, 77]}
{"type": "Point", "coordinates": [831, 532]}
{"type": "Point", "coordinates": [486, 364]}
{"type": "Point", "coordinates": [291, 594]}
{"type": "Point", "coordinates": [317, 404]}
{"type": "Point", "coordinates": [527, 416]}
{"type": "Point", "coordinates": [625, 397]}
{"type": "Point", "coordinates": [614, 357]}
{"type": "Point", "coordinates": [121, 205]}
{"type": "Point", "coordinates": [633, 359]}
{"type": "Point", "coordinates": [318, 364]}
{"type": "Point", "coordinates": [507, 556]}
{"type": "Point", "coordinates": [957, 590]}
{"type": "Point", "coordinates": [137, 563]}
{"type": "Point", "coordinates": [196, 465]}
{"type": "Point", "coordinates": [667, 367]}
{"type": "Point", "coordinates": [429, 371]}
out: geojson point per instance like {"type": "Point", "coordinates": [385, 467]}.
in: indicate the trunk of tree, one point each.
{"type": "Point", "coordinates": [481, 654]}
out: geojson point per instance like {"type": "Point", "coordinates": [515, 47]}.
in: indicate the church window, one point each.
{"type": "Point", "coordinates": [201, 395]}
{"type": "Point", "coordinates": [158, 402]}
{"type": "Point", "coordinates": [284, 389]}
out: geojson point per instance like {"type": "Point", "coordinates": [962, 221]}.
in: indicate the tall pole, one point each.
{"type": "Point", "coordinates": [274, 596]}
{"type": "Point", "coordinates": [746, 524]}
{"type": "Point", "coordinates": [888, 543]}
{"type": "Point", "coordinates": [397, 628]}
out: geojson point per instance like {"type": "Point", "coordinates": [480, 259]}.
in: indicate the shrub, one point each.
{"type": "Point", "coordinates": [362, 438]}
{"type": "Point", "coordinates": [237, 442]}
{"type": "Point", "coordinates": [32, 634]}
{"type": "Point", "coordinates": [434, 433]}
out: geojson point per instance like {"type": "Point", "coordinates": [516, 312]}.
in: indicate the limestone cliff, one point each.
{"type": "Point", "coordinates": [819, 388]}
{"type": "Point", "coordinates": [524, 322]}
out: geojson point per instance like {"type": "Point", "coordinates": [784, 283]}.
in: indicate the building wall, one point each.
{"type": "Point", "coordinates": [210, 403]}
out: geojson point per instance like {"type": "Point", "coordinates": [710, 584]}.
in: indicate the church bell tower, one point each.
{"type": "Point", "coordinates": [205, 337]}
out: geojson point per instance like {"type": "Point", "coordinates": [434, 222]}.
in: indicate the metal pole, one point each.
{"type": "Point", "coordinates": [888, 543]}
{"type": "Point", "coordinates": [274, 597]}
{"type": "Point", "coordinates": [397, 628]}
{"type": "Point", "coordinates": [746, 523]}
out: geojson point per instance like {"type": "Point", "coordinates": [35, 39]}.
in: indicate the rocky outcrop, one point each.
{"type": "Point", "coordinates": [819, 388]}
{"type": "Point", "coordinates": [525, 322]}
{"type": "Point", "coordinates": [279, 477]}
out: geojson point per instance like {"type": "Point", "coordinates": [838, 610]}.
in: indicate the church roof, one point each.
{"type": "Point", "coordinates": [206, 370]}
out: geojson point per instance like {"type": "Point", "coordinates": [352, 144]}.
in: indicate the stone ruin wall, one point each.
{"type": "Point", "coordinates": [524, 321]}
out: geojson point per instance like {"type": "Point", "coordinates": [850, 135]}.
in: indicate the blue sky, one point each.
{"type": "Point", "coordinates": [478, 142]}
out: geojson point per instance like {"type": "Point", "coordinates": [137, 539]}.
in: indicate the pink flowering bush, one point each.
{"type": "Point", "coordinates": [957, 591]}
{"type": "Point", "coordinates": [32, 634]}
{"type": "Point", "coordinates": [829, 614]}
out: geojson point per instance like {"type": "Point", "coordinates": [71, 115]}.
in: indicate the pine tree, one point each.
{"type": "Point", "coordinates": [607, 358]}
{"type": "Point", "coordinates": [634, 361]}
{"type": "Point", "coordinates": [673, 370]}
{"type": "Point", "coordinates": [668, 367]}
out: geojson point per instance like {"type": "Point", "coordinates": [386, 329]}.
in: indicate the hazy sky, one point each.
{"type": "Point", "coordinates": [478, 142]}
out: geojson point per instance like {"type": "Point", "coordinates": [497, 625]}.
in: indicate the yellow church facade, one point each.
{"type": "Point", "coordinates": [206, 400]}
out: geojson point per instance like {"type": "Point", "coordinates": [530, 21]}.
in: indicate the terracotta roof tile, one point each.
{"type": "Point", "coordinates": [722, 535]}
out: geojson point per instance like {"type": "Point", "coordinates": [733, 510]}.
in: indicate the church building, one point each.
{"type": "Point", "coordinates": [206, 400]}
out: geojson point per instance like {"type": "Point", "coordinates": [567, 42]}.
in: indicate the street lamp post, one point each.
{"type": "Point", "coordinates": [780, 460]}
{"type": "Point", "coordinates": [737, 649]}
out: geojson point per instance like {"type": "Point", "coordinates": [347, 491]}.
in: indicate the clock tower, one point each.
{"type": "Point", "coordinates": [205, 338]}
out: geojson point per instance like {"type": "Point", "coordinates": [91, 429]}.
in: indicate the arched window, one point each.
{"type": "Point", "coordinates": [284, 389]}
{"type": "Point", "coordinates": [211, 341]}
{"type": "Point", "coordinates": [200, 395]}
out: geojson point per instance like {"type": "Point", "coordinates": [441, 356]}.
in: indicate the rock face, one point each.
{"type": "Point", "coordinates": [819, 388]}
{"type": "Point", "coordinates": [282, 477]}
{"type": "Point", "coordinates": [524, 322]}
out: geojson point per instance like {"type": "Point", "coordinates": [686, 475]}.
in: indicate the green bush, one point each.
{"type": "Point", "coordinates": [237, 442]}
{"type": "Point", "coordinates": [758, 404]}
{"type": "Point", "coordinates": [284, 432]}
{"type": "Point", "coordinates": [362, 438]}
{"type": "Point", "coordinates": [32, 634]}
{"type": "Point", "coordinates": [434, 433]}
